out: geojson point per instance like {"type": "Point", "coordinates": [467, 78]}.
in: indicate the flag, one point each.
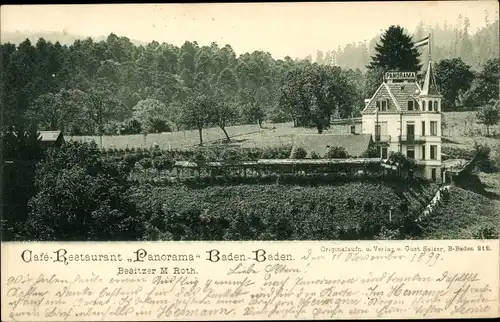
{"type": "Point", "coordinates": [421, 42]}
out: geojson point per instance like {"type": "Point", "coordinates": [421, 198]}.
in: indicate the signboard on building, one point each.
{"type": "Point", "coordinates": [400, 76]}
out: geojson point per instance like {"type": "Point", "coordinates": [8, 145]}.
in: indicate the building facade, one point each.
{"type": "Point", "coordinates": [404, 117]}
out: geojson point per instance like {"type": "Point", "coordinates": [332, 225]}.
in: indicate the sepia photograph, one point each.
{"type": "Point", "coordinates": [250, 121]}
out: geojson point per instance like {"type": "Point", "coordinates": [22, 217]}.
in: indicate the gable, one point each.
{"type": "Point", "coordinates": [382, 94]}
{"type": "Point", "coordinates": [404, 92]}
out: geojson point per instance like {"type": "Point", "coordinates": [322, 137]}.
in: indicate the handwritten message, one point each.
{"type": "Point", "coordinates": [240, 281]}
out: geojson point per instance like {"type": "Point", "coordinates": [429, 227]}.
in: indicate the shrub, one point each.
{"type": "Point", "coordinates": [145, 163]}
{"type": "Point", "coordinates": [483, 160]}
{"type": "Point", "coordinates": [315, 155]}
{"type": "Point", "coordinates": [336, 152]}
{"type": "Point", "coordinates": [230, 155]}
{"type": "Point", "coordinates": [201, 155]}
{"type": "Point", "coordinates": [371, 152]}
{"type": "Point", "coordinates": [299, 153]}
{"type": "Point", "coordinates": [162, 162]}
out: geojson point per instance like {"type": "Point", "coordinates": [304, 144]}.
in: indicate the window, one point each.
{"type": "Point", "coordinates": [423, 152]}
{"type": "Point", "coordinates": [384, 152]}
{"type": "Point", "coordinates": [410, 151]}
{"type": "Point", "coordinates": [423, 105]}
{"type": "Point", "coordinates": [423, 128]}
{"type": "Point", "coordinates": [410, 105]}
{"type": "Point", "coordinates": [410, 130]}
{"type": "Point", "coordinates": [383, 105]}
{"type": "Point", "coordinates": [377, 104]}
{"type": "Point", "coordinates": [434, 128]}
{"type": "Point", "coordinates": [430, 106]}
{"type": "Point", "coordinates": [377, 130]}
{"type": "Point", "coordinates": [433, 152]}
{"type": "Point", "coordinates": [435, 106]}
{"type": "Point", "coordinates": [433, 174]}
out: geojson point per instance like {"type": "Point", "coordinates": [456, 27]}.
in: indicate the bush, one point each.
{"type": "Point", "coordinates": [202, 155]}
{"type": "Point", "coordinates": [483, 160]}
{"type": "Point", "coordinates": [336, 152]}
{"type": "Point", "coordinates": [131, 126]}
{"type": "Point", "coordinates": [230, 155]}
{"type": "Point", "coordinates": [162, 162]}
{"type": "Point", "coordinates": [315, 155]}
{"type": "Point", "coordinates": [371, 152]}
{"type": "Point", "coordinates": [145, 163]}
{"type": "Point", "coordinates": [82, 196]}
{"type": "Point", "coordinates": [299, 153]}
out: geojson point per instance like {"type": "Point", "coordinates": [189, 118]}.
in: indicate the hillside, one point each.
{"type": "Point", "coordinates": [466, 215]}
{"type": "Point", "coordinates": [348, 210]}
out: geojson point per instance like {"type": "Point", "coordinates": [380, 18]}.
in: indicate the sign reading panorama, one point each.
{"type": "Point", "coordinates": [400, 75]}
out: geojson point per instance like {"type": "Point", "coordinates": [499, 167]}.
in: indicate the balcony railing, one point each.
{"type": "Point", "coordinates": [381, 138]}
{"type": "Point", "coordinates": [412, 138]}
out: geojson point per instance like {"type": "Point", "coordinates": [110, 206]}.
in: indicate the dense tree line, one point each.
{"type": "Point", "coordinates": [448, 40]}
{"type": "Point", "coordinates": [115, 87]}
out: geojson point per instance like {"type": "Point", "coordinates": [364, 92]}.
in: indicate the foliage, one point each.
{"type": "Point", "coordinates": [483, 159]}
{"type": "Point", "coordinates": [489, 115]}
{"type": "Point", "coordinates": [153, 116]}
{"type": "Point", "coordinates": [162, 162]}
{"type": "Point", "coordinates": [311, 94]}
{"type": "Point", "coordinates": [197, 113]}
{"type": "Point", "coordinates": [81, 197]}
{"type": "Point", "coordinates": [222, 114]}
{"type": "Point", "coordinates": [401, 161]}
{"type": "Point", "coordinates": [336, 152]}
{"type": "Point", "coordinates": [485, 87]}
{"type": "Point", "coordinates": [371, 152]}
{"type": "Point", "coordinates": [315, 155]}
{"type": "Point", "coordinates": [299, 153]}
{"type": "Point", "coordinates": [131, 126]}
{"type": "Point", "coordinates": [284, 212]}
{"type": "Point", "coordinates": [21, 150]}
{"type": "Point", "coordinates": [453, 77]}
{"type": "Point", "coordinates": [395, 52]}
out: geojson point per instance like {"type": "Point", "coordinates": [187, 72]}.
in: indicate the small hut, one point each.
{"type": "Point", "coordinates": [51, 138]}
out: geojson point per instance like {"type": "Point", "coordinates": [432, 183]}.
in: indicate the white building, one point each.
{"type": "Point", "coordinates": [403, 117]}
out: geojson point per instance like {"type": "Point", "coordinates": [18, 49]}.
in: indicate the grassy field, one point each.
{"type": "Point", "coordinates": [467, 215]}
{"type": "Point", "coordinates": [461, 131]}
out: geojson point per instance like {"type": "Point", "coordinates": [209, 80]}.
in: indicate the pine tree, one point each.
{"type": "Point", "coordinates": [395, 52]}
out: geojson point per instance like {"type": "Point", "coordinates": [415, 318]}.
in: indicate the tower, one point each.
{"type": "Point", "coordinates": [429, 97]}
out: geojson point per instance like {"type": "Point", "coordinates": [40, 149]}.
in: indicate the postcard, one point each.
{"type": "Point", "coordinates": [250, 161]}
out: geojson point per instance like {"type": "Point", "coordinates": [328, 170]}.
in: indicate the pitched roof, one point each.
{"type": "Point", "coordinates": [355, 144]}
{"type": "Point", "coordinates": [430, 85]}
{"type": "Point", "coordinates": [49, 136]}
{"type": "Point", "coordinates": [404, 92]}
{"type": "Point", "coordinates": [382, 93]}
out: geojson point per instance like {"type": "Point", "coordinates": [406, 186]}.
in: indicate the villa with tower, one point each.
{"type": "Point", "coordinates": [403, 116]}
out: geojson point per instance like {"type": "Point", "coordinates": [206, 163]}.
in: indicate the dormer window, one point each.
{"type": "Point", "coordinates": [410, 106]}
{"type": "Point", "coordinates": [382, 105]}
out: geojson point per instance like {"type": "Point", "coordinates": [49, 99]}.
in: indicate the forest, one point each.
{"type": "Point", "coordinates": [114, 86]}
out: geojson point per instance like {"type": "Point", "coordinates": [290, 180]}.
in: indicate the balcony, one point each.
{"type": "Point", "coordinates": [381, 138]}
{"type": "Point", "coordinates": [412, 138]}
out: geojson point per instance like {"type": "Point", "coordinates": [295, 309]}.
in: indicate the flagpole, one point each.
{"type": "Point", "coordinates": [430, 44]}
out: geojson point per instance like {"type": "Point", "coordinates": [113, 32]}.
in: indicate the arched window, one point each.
{"type": "Point", "coordinates": [435, 106]}
{"type": "Point", "coordinates": [430, 106]}
{"type": "Point", "coordinates": [423, 105]}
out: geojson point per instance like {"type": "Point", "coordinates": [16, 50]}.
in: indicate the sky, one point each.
{"type": "Point", "coordinates": [294, 29]}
